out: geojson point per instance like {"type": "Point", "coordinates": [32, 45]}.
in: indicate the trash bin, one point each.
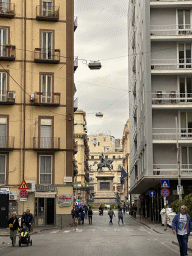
{"type": "Point", "coordinates": [163, 217]}
{"type": "Point", "coordinates": [170, 218]}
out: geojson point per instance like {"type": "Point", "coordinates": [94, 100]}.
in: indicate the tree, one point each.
{"type": "Point", "coordinates": [187, 201]}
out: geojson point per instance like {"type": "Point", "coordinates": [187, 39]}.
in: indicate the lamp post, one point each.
{"type": "Point", "coordinates": [178, 161]}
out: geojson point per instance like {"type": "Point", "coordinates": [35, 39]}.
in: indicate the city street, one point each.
{"type": "Point", "coordinates": [133, 238]}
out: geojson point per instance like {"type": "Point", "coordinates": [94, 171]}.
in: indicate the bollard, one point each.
{"type": "Point", "coordinates": [61, 223]}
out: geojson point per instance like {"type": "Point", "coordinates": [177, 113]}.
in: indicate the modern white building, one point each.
{"type": "Point", "coordinates": [160, 82]}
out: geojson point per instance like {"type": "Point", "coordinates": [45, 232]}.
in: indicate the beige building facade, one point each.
{"type": "Point", "coordinates": [36, 107]}
{"type": "Point", "coordinates": [105, 184]}
{"type": "Point", "coordinates": [81, 179]}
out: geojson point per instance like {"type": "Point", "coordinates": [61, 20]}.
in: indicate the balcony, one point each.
{"type": "Point", "coordinates": [47, 99]}
{"type": "Point", "coordinates": [170, 135]}
{"type": "Point", "coordinates": [171, 31]}
{"type": "Point", "coordinates": [75, 23]}
{"type": "Point", "coordinates": [51, 56]}
{"type": "Point", "coordinates": [7, 52]}
{"type": "Point", "coordinates": [170, 3]}
{"type": "Point", "coordinates": [7, 10]}
{"type": "Point", "coordinates": [172, 169]}
{"type": "Point", "coordinates": [7, 97]}
{"type": "Point", "coordinates": [51, 13]}
{"type": "Point", "coordinates": [171, 66]}
{"type": "Point", "coordinates": [75, 63]}
{"type": "Point", "coordinates": [7, 143]}
{"type": "Point", "coordinates": [46, 143]}
{"type": "Point", "coordinates": [171, 99]}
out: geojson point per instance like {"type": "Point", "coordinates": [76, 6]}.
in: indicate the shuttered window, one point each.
{"type": "Point", "coordinates": [3, 132]}
{"type": "Point", "coordinates": [45, 169]}
{"type": "Point", "coordinates": [2, 169]}
{"type": "Point", "coordinates": [46, 133]}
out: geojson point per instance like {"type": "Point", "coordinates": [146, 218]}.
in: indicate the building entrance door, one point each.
{"type": "Point", "coordinates": [50, 211]}
{"type": "Point", "coordinates": [45, 211]}
{"type": "Point", "coordinates": [4, 205]}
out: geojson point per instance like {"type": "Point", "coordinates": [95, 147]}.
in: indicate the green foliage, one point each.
{"type": "Point", "coordinates": [176, 205]}
{"type": "Point", "coordinates": [113, 206]}
{"type": "Point", "coordinates": [103, 206]}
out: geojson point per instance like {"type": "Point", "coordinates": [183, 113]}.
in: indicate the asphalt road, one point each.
{"type": "Point", "coordinates": [132, 239]}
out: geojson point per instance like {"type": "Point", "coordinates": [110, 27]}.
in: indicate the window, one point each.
{"type": "Point", "coordinates": [183, 21]}
{"type": "Point", "coordinates": [3, 41]}
{"type": "Point", "coordinates": [46, 133]}
{"type": "Point", "coordinates": [45, 169]}
{"type": "Point", "coordinates": [106, 149]}
{"type": "Point", "coordinates": [119, 179]}
{"type": "Point", "coordinates": [47, 45]}
{"type": "Point", "coordinates": [104, 139]}
{"type": "Point", "coordinates": [2, 169]}
{"type": "Point", "coordinates": [113, 157]}
{"type": "Point", "coordinates": [185, 86]}
{"type": "Point", "coordinates": [186, 158]}
{"type": "Point", "coordinates": [98, 143]}
{"type": "Point", "coordinates": [47, 7]}
{"type": "Point", "coordinates": [3, 132]}
{"type": "Point", "coordinates": [46, 88]}
{"type": "Point", "coordinates": [4, 7]}
{"type": "Point", "coordinates": [87, 139]}
{"type": "Point", "coordinates": [3, 86]}
{"type": "Point", "coordinates": [92, 157]}
{"type": "Point", "coordinates": [104, 185]}
{"type": "Point", "coordinates": [94, 145]}
{"type": "Point", "coordinates": [184, 55]}
{"type": "Point", "coordinates": [95, 141]}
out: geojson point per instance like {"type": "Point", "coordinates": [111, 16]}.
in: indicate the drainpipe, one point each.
{"type": "Point", "coordinates": [24, 77]}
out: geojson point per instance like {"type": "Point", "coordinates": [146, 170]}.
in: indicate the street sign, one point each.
{"type": "Point", "coordinates": [165, 192]}
{"type": "Point", "coordinates": [23, 185]}
{"type": "Point", "coordinates": [23, 199]}
{"type": "Point", "coordinates": [23, 193]}
{"type": "Point", "coordinates": [152, 193]}
{"type": "Point", "coordinates": [141, 197]}
{"type": "Point", "coordinates": [179, 190]}
{"type": "Point", "coordinates": [114, 201]}
{"type": "Point", "coordinates": [164, 183]}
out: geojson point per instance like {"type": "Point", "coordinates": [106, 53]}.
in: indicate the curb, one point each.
{"type": "Point", "coordinates": [32, 233]}
{"type": "Point", "coordinates": [175, 243]}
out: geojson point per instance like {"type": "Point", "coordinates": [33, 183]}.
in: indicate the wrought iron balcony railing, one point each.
{"type": "Point", "coordinates": [7, 10]}
{"type": "Point", "coordinates": [7, 52]}
{"type": "Point", "coordinates": [7, 97]}
{"type": "Point", "coordinates": [46, 143]}
{"type": "Point", "coordinates": [6, 143]}
{"type": "Point", "coordinates": [46, 99]}
{"type": "Point", "coordinates": [45, 55]}
{"type": "Point", "coordinates": [47, 13]}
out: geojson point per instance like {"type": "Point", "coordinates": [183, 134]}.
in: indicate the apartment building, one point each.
{"type": "Point", "coordinates": [160, 79]}
{"type": "Point", "coordinates": [105, 184]}
{"type": "Point", "coordinates": [36, 108]}
{"type": "Point", "coordinates": [81, 180]}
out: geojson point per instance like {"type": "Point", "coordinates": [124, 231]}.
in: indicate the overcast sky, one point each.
{"type": "Point", "coordinates": [102, 35]}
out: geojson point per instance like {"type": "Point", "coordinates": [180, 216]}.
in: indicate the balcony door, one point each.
{"type": "Point", "coordinates": [3, 41]}
{"type": "Point", "coordinates": [46, 133]}
{"type": "Point", "coordinates": [185, 86]}
{"type": "Point", "coordinates": [186, 124]}
{"type": "Point", "coordinates": [4, 6]}
{"type": "Point", "coordinates": [184, 21]}
{"type": "Point", "coordinates": [46, 88]}
{"type": "Point", "coordinates": [47, 45]}
{"type": "Point", "coordinates": [3, 132]}
{"type": "Point", "coordinates": [3, 86]}
{"type": "Point", "coordinates": [185, 55]}
{"type": "Point", "coordinates": [47, 8]}
{"type": "Point", "coordinates": [186, 158]}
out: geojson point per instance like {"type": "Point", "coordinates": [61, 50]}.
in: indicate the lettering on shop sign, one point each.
{"type": "Point", "coordinates": [43, 188]}
{"type": "Point", "coordinates": [65, 200]}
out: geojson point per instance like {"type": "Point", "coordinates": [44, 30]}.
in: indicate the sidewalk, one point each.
{"type": "Point", "coordinates": [5, 232]}
{"type": "Point", "coordinates": [157, 227]}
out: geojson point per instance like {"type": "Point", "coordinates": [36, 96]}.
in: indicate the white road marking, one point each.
{"type": "Point", "coordinates": [79, 230]}
{"type": "Point", "coordinates": [54, 232]}
{"type": "Point", "coordinates": [170, 248]}
{"type": "Point", "coordinates": [129, 229]}
{"type": "Point", "coordinates": [66, 231]}
{"type": "Point", "coordinates": [143, 229]}
{"type": "Point", "coordinates": [117, 229]}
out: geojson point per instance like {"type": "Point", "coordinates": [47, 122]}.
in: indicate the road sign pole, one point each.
{"type": "Point", "coordinates": [178, 160]}
{"type": "Point", "coordinates": [165, 205]}
{"type": "Point", "coordinates": [152, 210]}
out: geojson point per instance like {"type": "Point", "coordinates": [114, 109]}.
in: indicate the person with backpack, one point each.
{"type": "Point", "coordinates": [90, 214]}
{"type": "Point", "coordinates": [120, 215]}
{"type": "Point", "coordinates": [111, 213]}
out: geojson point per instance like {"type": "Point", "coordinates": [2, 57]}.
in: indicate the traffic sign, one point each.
{"type": "Point", "coordinates": [23, 193]}
{"type": "Point", "coordinates": [164, 183]}
{"type": "Point", "coordinates": [141, 197]}
{"type": "Point", "coordinates": [152, 193]}
{"type": "Point", "coordinates": [23, 199]}
{"type": "Point", "coordinates": [179, 189]}
{"type": "Point", "coordinates": [114, 201]}
{"type": "Point", "coordinates": [165, 192]}
{"type": "Point", "coordinates": [23, 185]}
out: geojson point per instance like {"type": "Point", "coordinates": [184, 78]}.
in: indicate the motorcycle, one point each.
{"type": "Point", "coordinates": [100, 212]}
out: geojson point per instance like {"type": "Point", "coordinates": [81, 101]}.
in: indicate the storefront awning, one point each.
{"type": "Point", "coordinates": [45, 194]}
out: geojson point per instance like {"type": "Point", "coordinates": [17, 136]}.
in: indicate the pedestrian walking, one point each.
{"type": "Point", "coordinates": [75, 215]}
{"type": "Point", "coordinates": [28, 219]}
{"type": "Point", "coordinates": [90, 214]}
{"type": "Point", "coordinates": [13, 225]}
{"type": "Point", "coordinates": [120, 215]}
{"type": "Point", "coordinates": [181, 225]}
{"type": "Point", "coordinates": [111, 213]}
{"type": "Point", "coordinates": [86, 210]}
{"type": "Point", "coordinates": [82, 217]}
{"type": "Point", "coordinates": [124, 208]}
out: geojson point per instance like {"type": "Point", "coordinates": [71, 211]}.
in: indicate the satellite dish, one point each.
{"type": "Point", "coordinates": [99, 114]}
{"type": "Point", "coordinates": [94, 65]}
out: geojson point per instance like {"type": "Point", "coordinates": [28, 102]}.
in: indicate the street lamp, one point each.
{"type": "Point", "coordinates": [99, 114]}
{"type": "Point", "coordinates": [94, 65]}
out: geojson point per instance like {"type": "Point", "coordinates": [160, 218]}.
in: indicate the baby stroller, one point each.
{"type": "Point", "coordinates": [25, 238]}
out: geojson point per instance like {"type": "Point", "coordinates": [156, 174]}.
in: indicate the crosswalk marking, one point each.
{"type": "Point", "coordinates": [79, 230]}
{"type": "Point", "coordinates": [54, 232]}
{"type": "Point", "coordinates": [66, 231]}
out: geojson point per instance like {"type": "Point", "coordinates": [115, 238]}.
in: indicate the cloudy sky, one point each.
{"type": "Point", "coordinates": [102, 35]}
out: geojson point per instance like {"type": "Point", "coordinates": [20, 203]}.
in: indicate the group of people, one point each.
{"type": "Point", "coordinates": [27, 220]}
{"type": "Point", "coordinates": [120, 215]}
{"type": "Point", "coordinates": [79, 215]}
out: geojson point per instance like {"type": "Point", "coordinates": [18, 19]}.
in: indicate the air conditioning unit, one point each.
{"type": "Point", "coordinates": [32, 97]}
{"type": "Point", "coordinates": [12, 196]}
{"type": "Point", "coordinates": [31, 185]}
{"type": "Point", "coordinates": [11, 95]}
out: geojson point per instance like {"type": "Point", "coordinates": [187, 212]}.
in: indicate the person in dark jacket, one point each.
{"type": "Point", "coordinates": [181, 225]}
{"type": "Point", "coordinates": [28, 219]}
{"type": "Point", "coordinates": [75, 215]}
{"type": "Point", "coordinates": [90, 214]}
{"type": "Point", "coordinates": [120, 215]}
{"type": "Point", "coordinates": [13, 225]}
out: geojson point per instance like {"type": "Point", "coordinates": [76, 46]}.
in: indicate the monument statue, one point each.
{"type": "Point", "coordinates": [104, 163]}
